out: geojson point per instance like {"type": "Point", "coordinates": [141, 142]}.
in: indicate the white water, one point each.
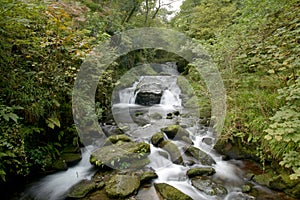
{"type": "Point", "coordinates": [168, 172]}
{"type": "Point", "coordinates": [55, 186]}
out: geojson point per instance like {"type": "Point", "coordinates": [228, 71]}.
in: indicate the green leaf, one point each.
{"type": "Point", "coordinates": [52, 122]}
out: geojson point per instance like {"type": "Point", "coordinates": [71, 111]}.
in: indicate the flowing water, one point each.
{"type": "Point", "coordinates": [55, 186]}
{"type": "Point", "coordinates": [141, 123]}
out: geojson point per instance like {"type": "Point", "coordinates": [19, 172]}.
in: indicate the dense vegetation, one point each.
{"type": "Point", "coordinates": [255, 44]}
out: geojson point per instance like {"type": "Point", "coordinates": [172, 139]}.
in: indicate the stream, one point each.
{"type": "Point", "coordinates": [140, 122]}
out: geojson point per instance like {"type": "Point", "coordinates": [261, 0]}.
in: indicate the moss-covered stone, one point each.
{"type": "Point", "coordinates": [157, 138]}
{"type": "Point", "coordinates": [121, 155]}
{"type": "Point", "coordinates": [81, 189]}
{"type": "Point", "coordinates": [200, 155]}
{"type": "Point", "coordinates": [173, 150]}
{"type": "Point", "coordinates": [170, 192]}
{"type": "Point", "coordinates": [71, 158]}
{"type": "Point", "coordinates": [116, 138]}
{"type": "Point", "coordinates": [147, 176]}
{"type": "Point", "coordinates": [121, 186]}
{"type": "Point", "coordinates": [175, 132]}
{"type": "Point", "coordinates": [200, 171]}
{"type": "Point", "coordinates": [246, 188]}
{"type": "Point", "coordinates": [208, 186]}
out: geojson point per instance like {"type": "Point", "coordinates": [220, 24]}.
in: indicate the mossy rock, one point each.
{"type": "Point", "coordinates": [121, 155]}
{"type": "Point", "coordinates": [148, 176]}
{"type": "Point", "coordinates": [116, 138]}
{"type": "Point", "coordinates": [208, 186]}
{"type": "Point", "coordinates": [169, 192]}
{"type": "Point", "coordinates": [200, 171]}
{"type": "Point", "coordinates": [81, 189]}
{"type": "Point", "coordinates": [71, 158]}
{"type": "Point", "coordinates": [200, 155]}
{"type": "Point", "coordinates": [59, 165]}
{"type": "Point", "coordinates": [246, 188]}
{"type": "Point", "coordinates": [175, 132]}
{"type": "Point", "coordinates": [157, 138]}
{"type": "Point", "coordinates": [122, 186]}
{"type": "Point", "coordinates": [173, 150]}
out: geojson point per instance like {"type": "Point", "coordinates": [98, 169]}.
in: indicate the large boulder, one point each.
{"type": "Point", "coordinates": [121, 155]}
{"type": "Point", "coordinates": [208, 186]}
{"type": "Point", "coordinates": [121, 186]}
{"type": "Point", "coordinates": [148, 98]}
{"type": "Point", "coordinates": [170, 192]}
{"type": "Point", "coordinates": [200, 155]}
{"type": "Point", "coordinates": [148, 92]}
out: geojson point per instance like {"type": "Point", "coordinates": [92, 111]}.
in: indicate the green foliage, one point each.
{"type": "Point", "coordinates": [13, 159]}
{"type": "Point", "coordinates": [256, 46]}
{"type": "Point", "coordinates": [283, 133]}
{"type": "Point", "coordinates": [42, 47]}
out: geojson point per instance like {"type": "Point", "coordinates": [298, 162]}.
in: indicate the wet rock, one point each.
{"type": "Point", "coordinates": [176, 113]}
{"type": "Point", "coordinates": [200, 171]}
{"type": "Point", "coordinates": [71, 158]}
{"type": "Point", "coordinates": [200, 155]}
{"type": "Point", "coordinates": [148, 176]}
{"type": "Point", "coordinates": [121, 186]}
{"type": "Point", "coordinates": [141, 120]}
{"type": "Point", "coordinates": [208, 186]}
{"type": "Point", "coordinates": [173, 150]}
{"type": "Point", "coordinates": [148, 98]}
{"type": "Point", "coordinates": [81, 189]}
{"type": "Point", "coordinates": [246, 188]}
{"type": "Point", "coordinates": [157, 138]}
{"type": "Point", "coordinates": [175, 132]}
{"type": "Point", "coordinates": [121, 155]}
{"type": "Point", "coordinates": [170, 192]}
{"type": "Point", "coordinates": [155, 116]}
{"type": "Point", "coordinates": [116, 138]}
{"type": "Point", "coordinates": [187, 140]}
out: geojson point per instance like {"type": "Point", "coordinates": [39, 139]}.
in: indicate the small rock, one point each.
{"type": "Point", "coordinates": [147, 176]}
{"type": "Point", "coordinates": [246, 188]}
{"type": "Point", "coordinates": [170, 192]}
{"type": "Point", "coordinates": [116, 138]}
{"type": "Point", "coordinates": [200, 155]}
{"type": "Point", "coordinates": [208, 186]}
{"type": "Point", "coordinates": [155, 116]}
{"type": "Point", "coordinates": [157, 138]}
{"type": "Point", "coordinates": [201, 171]}
{"type": "Point", "coordinates": [81, 189]}
{"type": "Point", "coordinates": [176, 113]}
{"type": "Point", "coordinates": [173, 150]}
{"type": "Point", "coordinates": [175, 132]}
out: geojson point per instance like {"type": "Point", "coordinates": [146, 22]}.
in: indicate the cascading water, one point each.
{"type": "Point", "coordinates": [141, 122]}
{"type": "Point", "coordinates": [168, 172]}
{"type": "Point", "coordinates": [55, 186]}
